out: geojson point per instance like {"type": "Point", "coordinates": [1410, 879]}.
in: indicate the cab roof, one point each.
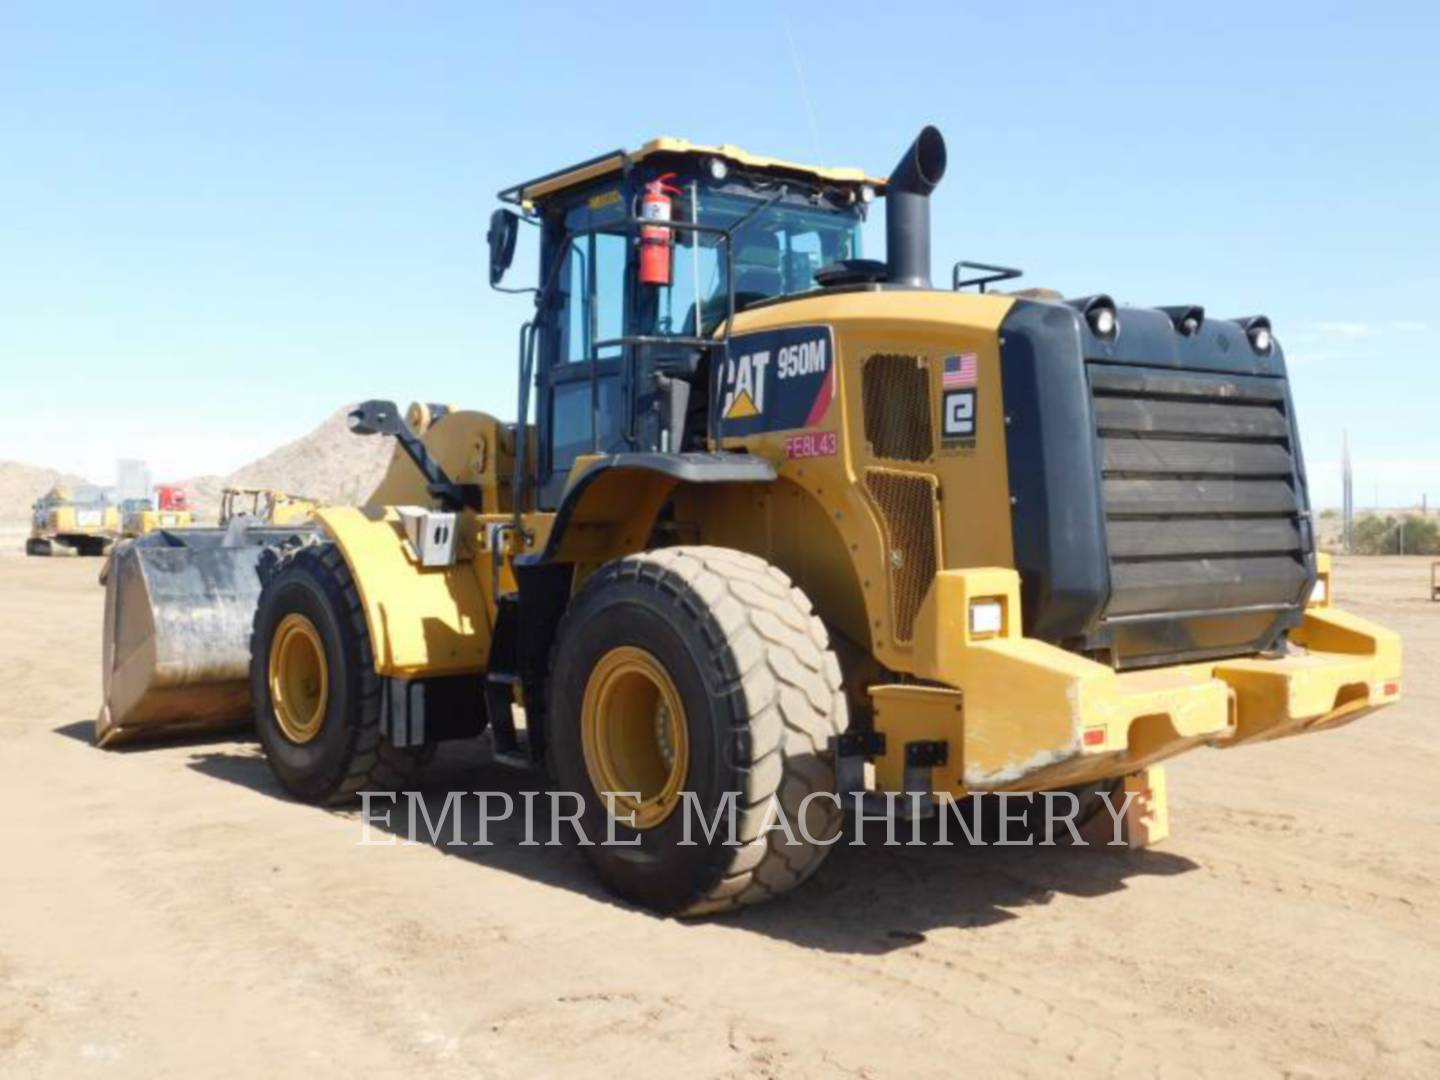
{"type": "Point", "coordinates": [614, 162]}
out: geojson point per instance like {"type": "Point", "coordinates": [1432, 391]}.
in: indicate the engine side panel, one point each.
{"type": "Point", "coordinates": [891, 454]}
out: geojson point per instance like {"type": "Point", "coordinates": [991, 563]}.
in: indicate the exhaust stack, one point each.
{"type": "Point", "coordinates": [907, 209]}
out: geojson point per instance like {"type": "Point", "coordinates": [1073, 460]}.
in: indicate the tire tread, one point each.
{"type": "Point", "coordinates": [787, 700]}
{"type": "Point", "coordinates": [371, 764]}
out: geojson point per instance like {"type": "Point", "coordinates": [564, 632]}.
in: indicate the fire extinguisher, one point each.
{"type": "Point", "coordinates": [655, 240]}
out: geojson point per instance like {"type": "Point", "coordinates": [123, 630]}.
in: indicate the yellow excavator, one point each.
{"type": "Point", "coordinates": [788, 525]}
{"type": "Point", "coordinates": [81, 519]}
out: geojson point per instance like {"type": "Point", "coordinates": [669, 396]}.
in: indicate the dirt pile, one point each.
{"type": "Point", "coordinates": [329, 464]}
{"type": "Point", "coordinates": [21, 485]}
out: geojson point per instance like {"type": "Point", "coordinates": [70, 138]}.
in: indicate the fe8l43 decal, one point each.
{"type": "Point", "coordinates": [776, 380]}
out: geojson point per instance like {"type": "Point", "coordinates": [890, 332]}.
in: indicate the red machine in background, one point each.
{"type": "Point", "coordinates": [168, 509]}
{"type": "Point", "coordinates": [171, 497]}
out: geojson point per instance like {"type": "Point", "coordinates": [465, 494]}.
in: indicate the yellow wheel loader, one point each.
{"type": "Point", "coordinates": [787, 524]}
{"type": "Point", "coordinates": [266, 506]}
{"type": "Point", "coordinates": [83, 520]}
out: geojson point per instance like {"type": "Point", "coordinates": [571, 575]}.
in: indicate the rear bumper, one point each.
{"type": "Point", "coordinates": [1019, 714]}
{"type": "Point", "coordinates": [1346, 668]}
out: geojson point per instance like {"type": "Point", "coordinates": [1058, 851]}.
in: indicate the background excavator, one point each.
{"type": "Point", "coordinates": [81, 518]}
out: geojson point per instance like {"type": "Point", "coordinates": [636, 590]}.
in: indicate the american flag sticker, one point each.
{"type": "Point", "coordinates": [959, 370]}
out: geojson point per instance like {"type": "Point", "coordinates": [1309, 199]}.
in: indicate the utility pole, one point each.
{"type": "Point", "coordinates": [1347, 495]}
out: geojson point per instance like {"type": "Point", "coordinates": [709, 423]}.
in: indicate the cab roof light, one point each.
{"type": "Point", "coordinates": [1186, 318]}
{"type": "Point", "coordinates": [1099, 312]}
{"type": "Point", "coordinates": [1257, 330]}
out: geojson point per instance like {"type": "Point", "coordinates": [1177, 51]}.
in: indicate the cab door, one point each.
{"type": "Point", "coordinates": [583, 393]}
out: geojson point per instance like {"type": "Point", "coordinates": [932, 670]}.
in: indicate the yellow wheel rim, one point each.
{"type": "Point", "coordinates": [632, 729]}
{"type": "Point", "coordinates": [299, 678]}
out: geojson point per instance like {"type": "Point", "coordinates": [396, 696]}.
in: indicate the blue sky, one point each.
{"type": "Point", "coordinates": [219, 222]}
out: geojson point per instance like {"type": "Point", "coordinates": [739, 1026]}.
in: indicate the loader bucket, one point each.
{"type": "Point", "coordinates": [178, 611]}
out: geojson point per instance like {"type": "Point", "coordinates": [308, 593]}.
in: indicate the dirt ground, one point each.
{"type": "Point", "coordinates": [166, 912]}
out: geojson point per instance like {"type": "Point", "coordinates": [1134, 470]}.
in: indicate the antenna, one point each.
{"type": "Point", "coordinates": [804, 93]}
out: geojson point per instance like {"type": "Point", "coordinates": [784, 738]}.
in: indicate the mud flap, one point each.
{"type": "Point", "coordinates": [1145, 812]}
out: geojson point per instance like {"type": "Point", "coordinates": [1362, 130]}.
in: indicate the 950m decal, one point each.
{"type": "Point", "coordinates": [776, 380]}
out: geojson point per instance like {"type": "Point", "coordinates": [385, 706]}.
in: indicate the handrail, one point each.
{"type": "Point", "coordinates": [995, 273]}
{"type": "Point", "coordinates": [515, 193]}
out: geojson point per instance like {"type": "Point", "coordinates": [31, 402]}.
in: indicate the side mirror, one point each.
{"type": "Point", "coordinates": [504, 226]}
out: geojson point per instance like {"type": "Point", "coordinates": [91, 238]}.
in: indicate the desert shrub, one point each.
{"type": "Point", "coordinates": [1374, 535]}
{"type": "Point", "coordinates": [1369, 533]}
{"type": "Point", "coordinates": [1422, 536]}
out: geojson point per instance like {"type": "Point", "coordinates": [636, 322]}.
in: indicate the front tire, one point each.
{"type": "Point", "coordinates": [691, 673]}
{"type": "Point", "coordinates": [313, 682]}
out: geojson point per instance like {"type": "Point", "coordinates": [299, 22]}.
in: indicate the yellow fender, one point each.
{"type": "Point", "coordinates": [423, 621]}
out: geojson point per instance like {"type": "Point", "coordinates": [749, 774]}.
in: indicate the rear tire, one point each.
{"type": "Point", "coordinates": [750, 667]}
{"type": "Point", "coordinates": [341, 753]}
{"type": "Point", "coordinates": [38, 547]}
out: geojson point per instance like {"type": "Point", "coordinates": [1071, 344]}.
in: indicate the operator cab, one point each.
{"type": "Point", "coordinates": [630, 311]}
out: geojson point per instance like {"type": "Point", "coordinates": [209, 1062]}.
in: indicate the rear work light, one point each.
{"type": "Point", "coordinates": [1258, 332]}
{"type": "Point", "coordinates": [986, 617]}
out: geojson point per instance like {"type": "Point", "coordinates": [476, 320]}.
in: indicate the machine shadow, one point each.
{"type": "Point", "coordinates": [868, 899]}
{"type": "Point", "coordinates": [462, 766]}
{"type": "Point", "coordinates": [84, 731]}
{"type": "Point", "coordinates": [79, 730]}
{"type": "Point", "coordinates": [876, 898]}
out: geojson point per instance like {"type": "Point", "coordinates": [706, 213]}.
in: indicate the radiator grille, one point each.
{"type": "Point", "coordinates": [1203, 510]}
{"type": "Point", "coordinates": [896, 400]}
{"type": "Point", "coordinates": [907, 503]}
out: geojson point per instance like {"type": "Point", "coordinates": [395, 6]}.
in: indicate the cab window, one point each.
{"type": "Point", "coordinates": [585, 404]}
{"type": "Point", "coordinates": [593, 300]}
{"type": "Point", "coordinates": [776, 254]}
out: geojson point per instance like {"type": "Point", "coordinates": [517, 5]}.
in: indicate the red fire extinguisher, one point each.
{"type": "Point", "coordinates": [655, 240]}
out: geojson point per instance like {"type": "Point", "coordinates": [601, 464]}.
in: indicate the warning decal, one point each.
{"type": "Point", "coordinates": [776, 380]}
